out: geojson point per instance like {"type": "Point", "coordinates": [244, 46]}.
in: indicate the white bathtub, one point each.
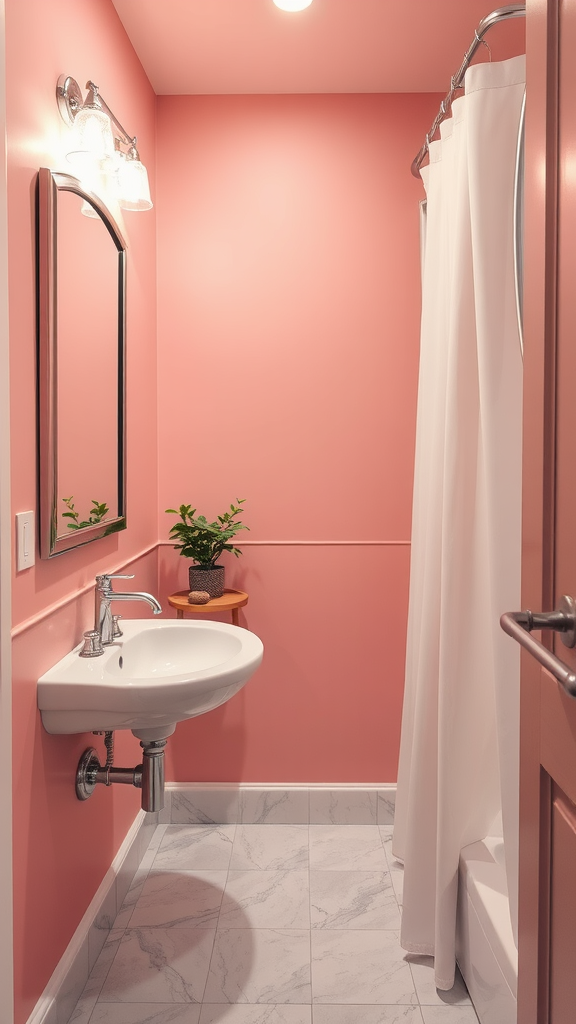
{"type": "Point", "coordinates": [485, 945]}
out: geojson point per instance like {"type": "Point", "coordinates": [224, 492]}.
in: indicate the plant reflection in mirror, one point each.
{"type": "Point", "coordinates": [97, 514]}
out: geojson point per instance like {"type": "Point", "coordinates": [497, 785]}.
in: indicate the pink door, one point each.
{"type": "Point", "coordinates": [547, 904]}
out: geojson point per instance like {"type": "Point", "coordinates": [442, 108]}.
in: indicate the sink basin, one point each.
{"type": "Point", "coordinates": [157, 674]}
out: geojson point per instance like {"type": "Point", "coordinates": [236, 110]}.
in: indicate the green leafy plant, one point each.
{"type": "Point", "coordinates": [97, 514]}
{"type": "Point", "coordinates": [202, 541]}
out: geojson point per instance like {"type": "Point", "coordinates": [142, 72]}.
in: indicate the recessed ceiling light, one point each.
{"type": "Point", "coordinates": [292, 5]}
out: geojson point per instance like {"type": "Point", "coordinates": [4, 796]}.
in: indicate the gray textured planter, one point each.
{"type": "Point", "coordinates": [207, 577]}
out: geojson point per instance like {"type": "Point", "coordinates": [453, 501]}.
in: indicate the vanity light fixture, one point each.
{"type": "Point", "coordinates": [292, 5]}
{"type": "Point", "coordinates": [104, 148]}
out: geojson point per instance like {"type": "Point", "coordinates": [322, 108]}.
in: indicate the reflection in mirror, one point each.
{"type": "Point", "coordinates": [81, 272]}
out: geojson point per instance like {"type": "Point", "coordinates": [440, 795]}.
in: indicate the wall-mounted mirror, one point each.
{"type": "Point", "coordinates": [81, 364]}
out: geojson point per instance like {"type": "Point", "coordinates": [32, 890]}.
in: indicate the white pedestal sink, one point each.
{"type": "Point", "coordinates": [156, 675]}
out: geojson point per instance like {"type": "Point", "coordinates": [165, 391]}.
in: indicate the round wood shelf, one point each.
{"type": "Point", "coordinates": [230, 601]}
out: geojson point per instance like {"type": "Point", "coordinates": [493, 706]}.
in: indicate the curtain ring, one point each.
{"type": "Point", "coordinates": [479, 39]}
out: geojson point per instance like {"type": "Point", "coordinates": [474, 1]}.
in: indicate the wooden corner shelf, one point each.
{"type": "Point", "coordinates": [230, 601]}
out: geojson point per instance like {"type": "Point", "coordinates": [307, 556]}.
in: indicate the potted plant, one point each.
{"type": "Point", "coordinates": [204, 542]}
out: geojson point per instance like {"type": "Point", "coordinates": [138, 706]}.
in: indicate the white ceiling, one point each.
{"type": "Point", "coordinates": [250, 46]}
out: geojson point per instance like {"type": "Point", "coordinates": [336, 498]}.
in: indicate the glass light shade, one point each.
{"type": "Point", "coordinates": [94, 137]}
{"type": "Point", "coordinates": [292, 5]}
{"type": "Point", "coordinates": [133, 187]}
{"type": "Point", "coordinates": [94, 179]}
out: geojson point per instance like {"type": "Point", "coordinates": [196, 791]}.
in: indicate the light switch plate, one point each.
{"type": "Point", "coordinates": [25, 540]}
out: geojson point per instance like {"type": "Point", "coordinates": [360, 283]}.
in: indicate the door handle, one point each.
{"type": "Point", "coordinates": [518, 625]}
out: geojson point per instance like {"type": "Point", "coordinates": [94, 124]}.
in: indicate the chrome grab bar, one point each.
{"type": "Point", "coordinates": [518, 625]}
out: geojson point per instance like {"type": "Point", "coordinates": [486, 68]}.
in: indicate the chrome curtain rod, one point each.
{"type": "Point", "coordinates": [456, 82]}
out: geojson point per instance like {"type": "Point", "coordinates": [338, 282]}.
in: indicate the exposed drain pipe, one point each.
{"type": "Point", "coordinates": [148, 776]}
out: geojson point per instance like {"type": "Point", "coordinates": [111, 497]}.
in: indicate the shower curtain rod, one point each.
{"type": "Point", "coordinates": [502, 14]}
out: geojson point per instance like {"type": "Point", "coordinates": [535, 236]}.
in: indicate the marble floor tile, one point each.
{"type": "Point", "coordinates": [347, 848]}
{"type": "Point", "coordinates": [395, 867]}
{"type": "Point", "coordinates": [259, 966]}
{"type": "Point", "coordinates": [134, 892]}
{"type": "Point", "coordinates": [159, 965]}
{"type": "Point", "coordinates": [270, 847]}
{"type": "Point", "coordinates": [360, 967]}
{"type": "Point", "coordinates": [153, 846]}
{"type": "Point", "coordinates": [263, 1013]}
{"type": "Point", "coordinates": [266, 899]}
{"type": "Point", "coordinates": [143, 1013]}
{"type": "Point", "coordinates": [192, 847]}
{"type": "Point", "coordinates": [274, 806]}
{"type": "Point", "coordinates": [367, 1015]}
{"type": "Point", "coordinates": [397, 878]}
{"type": "Point", "coordinates": [449, 1015]}
{"type": "Point", "coordinates": [125, 913]}
{"type": "Point", "coordinates": [353, 899]}
{"type": "Point", "coordinates": [180, 900]}
{"type": "Point", "coordinates": [106, 958]}
{"type": "Point", "coordinates": [422, 968]}
{"type": "Point", "coordinates": [264, 924]}
{"type": "Point", "coordinates": [387, 835]}
{"type": "Point", "coordinates": [87, 1001]}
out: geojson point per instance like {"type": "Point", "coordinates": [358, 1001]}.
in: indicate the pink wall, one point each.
{"type": "Point", "coordinates": [288, 270]}
{"type": "Point", "coordinates": [288, 313]}
{"type": "Point", "coordinates": [86, 41]}
{"type": "Point", "coordinates": [62, 848]}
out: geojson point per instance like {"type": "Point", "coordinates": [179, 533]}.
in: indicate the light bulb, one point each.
{"type": "Point", "coordinates": [94, 179]}
{"type": "Point", "coordinates": [292, 5]}
{"type": "Point", "coordinates": [94, 137]}
{"type": "Point", "coordinates": [133, 187]}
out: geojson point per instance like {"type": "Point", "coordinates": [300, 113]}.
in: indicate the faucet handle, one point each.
{"type": "Point", "coordinates": [92, 646]}
{"type": "Point", "coordinates": [104, 579]}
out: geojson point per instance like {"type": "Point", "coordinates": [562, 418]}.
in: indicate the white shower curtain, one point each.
{"type": "Point", "coordinates": [459, 750]}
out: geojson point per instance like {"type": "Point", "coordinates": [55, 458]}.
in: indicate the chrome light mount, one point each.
{"type": "Point", "coordinates": [69, 98]}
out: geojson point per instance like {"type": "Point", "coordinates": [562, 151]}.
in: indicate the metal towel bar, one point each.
{"type": "Point", "coordinates": [518, 625]}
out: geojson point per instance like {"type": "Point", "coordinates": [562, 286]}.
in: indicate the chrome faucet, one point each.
{"type": "Point", "coordinates": [104, 627]}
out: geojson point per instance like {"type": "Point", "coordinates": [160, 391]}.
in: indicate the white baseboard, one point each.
{"type": "Point", "coordinates": [281, 804]}
{"type": "Point", "coordinates": [202, 803]}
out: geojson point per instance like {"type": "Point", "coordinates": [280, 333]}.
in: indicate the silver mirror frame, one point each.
{"type": "Point", "coordinates": [519, 224]}
{"type": "Point", "coordinates": [49, 184]}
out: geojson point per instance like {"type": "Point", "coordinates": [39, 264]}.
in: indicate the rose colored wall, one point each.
{"type": "Point", "coordinates": [86, 41]}
{"type": "Point", "coordinates": [62, 848]}
{"type": "Point", "coordinates": [288, 294]}
{"type": "Point", "coordinates": [288, 265]}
